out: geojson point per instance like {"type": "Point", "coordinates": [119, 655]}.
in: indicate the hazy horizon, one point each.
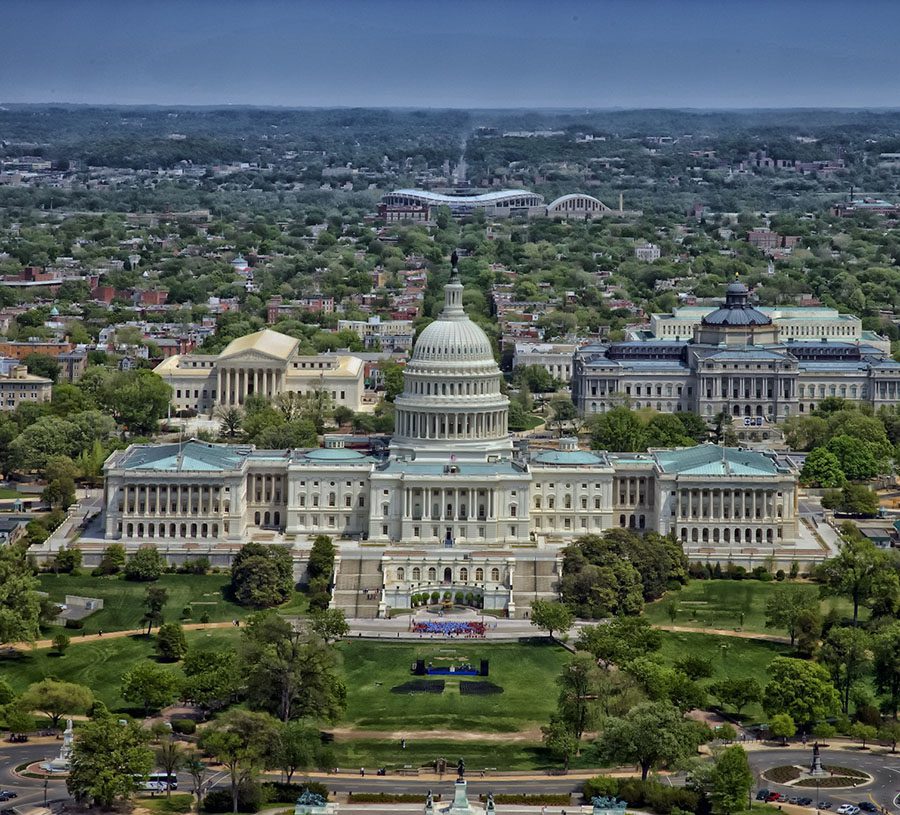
{"type": "Point", "coordinates": [494, 54]}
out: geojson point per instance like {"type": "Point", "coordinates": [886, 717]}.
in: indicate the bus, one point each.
{"type": "Point", "coordinates": [158, 782]}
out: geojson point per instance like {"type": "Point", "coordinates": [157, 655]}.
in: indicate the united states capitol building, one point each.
{"type": "Point", "coordinates": [457, 505]}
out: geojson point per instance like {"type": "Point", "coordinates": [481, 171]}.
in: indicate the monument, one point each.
{"type": "Point", "coordinates": [460, 804]}
{"type": "Point", "coordinates": [816, 768]}
{"type": "Point", "coordinates": [63, 762]}
{"type": "Point", "coordinates": [604, 805]}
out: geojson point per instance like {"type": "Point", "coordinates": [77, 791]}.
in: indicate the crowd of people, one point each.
{"type": "Point", "coordinates": [449, 628]}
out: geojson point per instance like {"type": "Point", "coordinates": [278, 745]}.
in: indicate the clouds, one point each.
{"type": "Point", "coordinates": [452, 53]}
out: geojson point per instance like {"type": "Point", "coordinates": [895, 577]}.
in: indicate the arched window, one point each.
{"type": "Point", "coordinates": [537, 501]}
{"type": "Point", "coordinates": [432, 574]}
{"type": "Point", "coordinates": [495, 574]}
{"type": "Point", "coordinates": [568, 502]}
{"type": "Point", "coordinates": [401, 574]}
{"type": "Point", "coordinates": [266, 519]}
{"type": "Point", "coordinates": [417, 573]}
{"type": "Point", "coordinates": [332, 499]}
{"type": "Point", "coordinates": [256, 517]}
{"type": "Point", "coordinates": [448, 575]}
{"type": "Point", "coordinates": [276, 519]}
{"type": "Point", "coordinates": [193, 530]}
{"type": "Point", "coordinates": [464, 574]}
{"type": "Point", "coordinates": [479, 573]}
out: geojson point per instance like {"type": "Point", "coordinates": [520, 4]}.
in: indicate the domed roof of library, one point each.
{"type": "Point", "coordinates": [737, 309]}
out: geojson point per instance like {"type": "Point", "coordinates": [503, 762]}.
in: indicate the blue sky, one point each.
{"type": "Point", "coordinates": [453, 53]}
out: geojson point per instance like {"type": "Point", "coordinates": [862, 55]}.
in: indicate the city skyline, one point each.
{"type": "Point", "coordinates": [396, 53]}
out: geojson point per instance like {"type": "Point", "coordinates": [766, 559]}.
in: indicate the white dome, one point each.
{"type": "Point", "coordinates": [453, 340]}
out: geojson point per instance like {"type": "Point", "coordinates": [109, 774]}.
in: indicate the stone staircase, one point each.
{"type": "Point", "coordinates": [357, 586]}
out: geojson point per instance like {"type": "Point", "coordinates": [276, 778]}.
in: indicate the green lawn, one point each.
{"type": "Point", "coordinates": [100, 664]}
{"type": "Point", "coordinates": [6, 492]}
{"type": "Point", "coordinates": [123, 600]}
{"type": "Point", "coordinates": [720, 603]}
{"type": "Point", "coordinates": [526, 672]}
{"type": "Point", "coordinates": [418, 753]}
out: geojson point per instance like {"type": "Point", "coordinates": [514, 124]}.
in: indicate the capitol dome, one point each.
{"type": "Point", "coordinates": [452, 407]}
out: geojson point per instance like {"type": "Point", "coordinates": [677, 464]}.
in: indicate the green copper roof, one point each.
{"type": "Point", "coordinates": [712, 460]}
{"type": "Point", "coordinates": [572, 457]}
{"type": "Point", "coordinates": [333, 454]}
{"type": "Point", "coordinates": [191, 456]}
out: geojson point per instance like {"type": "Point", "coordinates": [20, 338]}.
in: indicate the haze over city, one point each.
{"type": "Point", "coordinates": [466, 54]}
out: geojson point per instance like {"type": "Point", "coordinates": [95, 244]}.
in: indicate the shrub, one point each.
{"type": "Point", "coordinates": [458, 598]}
{"type": "Point", "coordinates": [600, 785]}
{"type": "Point", "coordinates": [198, 565]}
{"type": "Point", "coordinates": [435, 596]}
{"type": "Point", "coordinates": [186, 727]}
{"type": "Point", "coordinates": [75, 624]}
{"type": "Point", "coordinates": [779, 575]}
{"type": "Point", "coordinates": [390, 797]}
{"type": "Point", "coordinates": [204, 618]}
{"type": "Point", "coordinates": [146, 564]}
{"type": "Point", "coordinates": [470, 599]}
{"type": "Point", "coordinates": [186, 612]}
{"type": "Point", "coordinates": [280, 791]}
{"type": "Point", "coordinates": [446, 596]}
{"type": "Point", "coordinates": [60, 643]}
{"type": "Point", "coordinates": [250, 799]}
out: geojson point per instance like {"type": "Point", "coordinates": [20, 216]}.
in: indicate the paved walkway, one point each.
{"type": "Point", "coordinates": [111, 635]}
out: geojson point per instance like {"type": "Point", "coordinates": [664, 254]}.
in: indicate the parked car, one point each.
{"type": "Point", "coordinates": [824, 805]}
{"type": "Point", "coordinates": [867, 806]}
{"type": "Point", "coordinates": [847, 809]}
{"type": "Point", "coordinates": [762, 794]}
{"type": "Point", "coordinates": [804, 802]}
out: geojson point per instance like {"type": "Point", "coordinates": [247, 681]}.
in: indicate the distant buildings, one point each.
{"type": "Point", "coordinates": [266, 363]}
{"type": "Point", "coordinates": [647, 252]}
{"type": "Point", "coordinates": [390, 335]}
{"type": "Point", "coordinates": [555, 358]}
{"type": "Point", "coordinates": [17, 386]}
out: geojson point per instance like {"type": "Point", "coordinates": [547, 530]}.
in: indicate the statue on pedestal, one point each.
{"type": "Point", "coordinates": [490, 803]}
{"type": "Point", "coordinates": [461, 769]}
{"type": "Point", "coordinates": [816, 767]}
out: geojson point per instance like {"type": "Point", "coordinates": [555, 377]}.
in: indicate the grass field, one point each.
{"type": "Point", "coordinates": [100, 664]}
{"type": "Point", "coordinates": [123, 600]}
{"type": "Point", "coordinates": [526, 672]}
{"type": "Point", "coordinates": [720, 603]}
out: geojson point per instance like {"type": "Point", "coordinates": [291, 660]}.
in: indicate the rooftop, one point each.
{"type": "Point", "coordinates": [712, 460]}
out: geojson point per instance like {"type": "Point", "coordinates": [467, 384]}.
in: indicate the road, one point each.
{"type": "Point", "coordinates": [883, 790]}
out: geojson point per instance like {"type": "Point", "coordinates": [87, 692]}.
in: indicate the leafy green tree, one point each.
{"type": "Point", "coordinates": [262, 576]}
{"type": "Point", "coordinates": [7, 694]}
{"type": "Point", "coordinates": [785, 607]}
{"type": "Point", "coordinates": [56, 699]}
{"type": "Point", "coordinates": [618, 430]}
{"type": "Point", "coordinates": [138, 399]}
{"type": "Point", "coordinates": [803, 690]}
{"type": "Point", "coordinates": [67, 560]}
{"type": "Point", "coordinates": [109, 760]}
{"type": "Point", "coordinates": [732, 780]}
{"type": "Point", "coordinates": [782, 726]}
{"type": "Point", "coordinates": [211, 678]}
{"type": "Point", "coordinates": [851, 571]}
{"type": "Point", "coordinates": [551, 616]}
{"type": "Point", "coordinates": [620, 641]}
{"type": "Point", "coordinates": [298, 746]}
{"type": "Point", "coordinates": [171, 644]}
{"type": "Point", "coordinates": [845, 653]}
{"type": "Point", "coordinates": [564, 414]}
{"type": "Point", "coordinates": [580, 688]}
{"type": "Point", "coordinates": [289, 673]}
{"type": "Point", "coordinates": [649, 735]}
{"type": "Point", "coordinates": [329, 624]}
{"type": "Point", "coordinates": [809, 630]}
{"type": "Point", "coordinates": [20, 604]}
{"type": "Point", "coordinates": [146, 564]}
{"type": "Point", "coordinates": [694, 666]}
{"type": "Point", "coordinates": [855, 457]}
{"type": "Point", "coordinates": [886, 650]}
{"type": "Point", "coordinates": [534, 377]}
{"type": "Point", "coordinates": [884, 599]}
{"type": "Point", "coordinates": [241, 740]}
{"type": "Point", "coordinates": [863, 732]}
{"type": "Point", "coordinates": [60, 643]}
{"type": "Point", "coordinates": [60, 473]}
{"type": "Point", "coordinates": [737, 692]}
{"type": "Point", "coordinates": [560, 741]}
{"type": "Point", "coordinates": [890, 733]}
{"type": "Point", "coordinates": [150, 686]}
{"type": "Point", "coordinates": [822, 469]}
{"type": "Point", "coordinates": [154, 602]}
{"type": "Point", "coordinates": [113, 559]}
{"type": "Point", "coordinates": [392, 375]}
{"type": "Point", "coordinates": [17, 718]}
{"type": "Point", "coordinates": [170, 757]}
{"type": "Point", "coordinates": [667, 430]}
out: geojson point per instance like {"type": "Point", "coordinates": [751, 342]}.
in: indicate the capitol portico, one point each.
{"type": "Point", "coordinates": [455, 506]}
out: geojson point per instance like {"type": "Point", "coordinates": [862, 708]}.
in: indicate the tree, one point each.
{"type": "Point", "coordinates": [240, 740]}
{"type": "Point", "coordinates": [845, 653]}
{"type": "Point", "coordinates": [855, 457]}
{"type": "Point", "coordinates": [211, 678]}
{"type": "Point", "coordinates": [863, 732]}
{"type": "Point", "coordinates": [618, 430]}
{"type": "Point", "coordinates": [18, 719]}
{"type": "Point", "coordinates": [536, 378]}
{"type": "Point", "coordinates": [109, 760]}
{"type": "Point", "coordinates": [150, 686]}
{"type": "Point", "coordinates": [619, 641]}
{"type": "Point", "coordinates": [197, 768]}
{"type": "Point", "coordinates": [171, 644]}
{"type": "Point", "coordinates": [298, 746]}
{"type": "Point", "coordinates": [564, 414]}
{"type": "Point", "coordinates": [850, 572]}
{"type": "Point", "coordinates": [113, 559]}
{"type": "Point", "coordinates": [55, 699]}
{"type": "Point", "coordinates": [262, 576]}
{"type": "Point", "coordinates": [146, 564]}
{"type": "Point", "coordinates": [886, 650]}
{"type": "Point", "coordinates": [695, 666]}
{"type": "Point", "coordinates": [154, 602]}
{"type": "Point", "coordinates": [329, 624]}
{"type": "Point", "coordinates": [737, 692]}
{"type": "Point", "coordinates": [785, 607]}
{"type": "Point", "coordinates": [551, 616]}
{"type": "Point", "coordinates": [230, 419]}
{"type": "Point", "coordinates": [289, 673]}
{"type": "Point", "coordinates": [42, 365]}
{"type": "Point", "coordinates": [809, 629]}
{"type": "Point", "coordinates": [890, 732]}
{"type": "Point", "coordinates": [137, 399]}
{"type": "Point", "coordinates": [170, 757]}
{"type": "Point", "coordinates": [20, 604]}
{"type": "Point", "coordinates": [782, 726]}
{"type": "Point", "coordinates": [801, 689]}
{"type": "Point", "coordinates": [321, 557]}
{"type": "Point", "coordinates": [67, 560]}
{"type": "Point", "coordinates": [60, 643]}
{"type": "Point", "coordinates": [60, 473]}
{"type": "Point", "coordinates": [731, 780]}
{"type": "Point", "coordinates": [580, 689]}
{"type": "Point", "coordinates": [667, 430]}
{"type": "Point", "coordinates": [560, 741]}
{"type": "Point", "coordinates": [651, 734]}
{"type": "Point", "coordinates": [822, 469]}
